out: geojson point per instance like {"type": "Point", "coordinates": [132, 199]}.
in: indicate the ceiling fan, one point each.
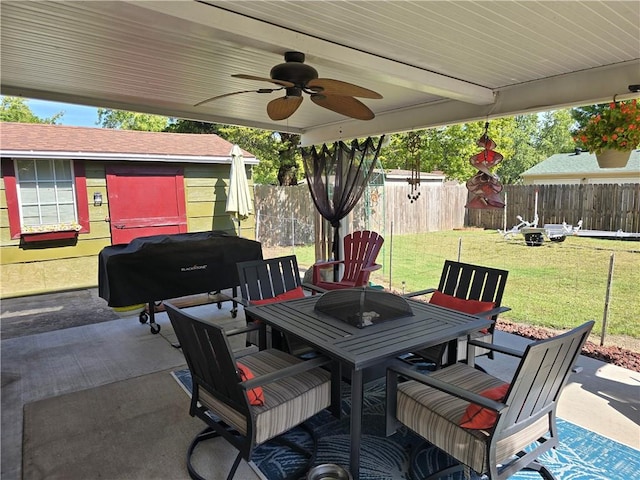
{"type": "Point", "coordinates": [295, 77]}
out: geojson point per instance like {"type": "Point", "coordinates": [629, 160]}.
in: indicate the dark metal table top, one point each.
{"type": "Point", "coordinates": [363, 347]}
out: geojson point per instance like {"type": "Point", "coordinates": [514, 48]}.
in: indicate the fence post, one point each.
{"type": "Point", "coordinates": [605, 315]}
{"type": "Point", "coordinates": [390, 255]}
{"type": "Point", "coordinates": [504, 213]}
{"type": "Point", "coordinates": [258, 226]}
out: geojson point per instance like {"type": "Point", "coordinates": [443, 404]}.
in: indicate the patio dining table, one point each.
{"type": "Point", "coordinates": [360, 348]}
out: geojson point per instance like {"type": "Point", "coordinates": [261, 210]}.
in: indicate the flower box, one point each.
{"type": "Point", "coordinates": [30, 237]}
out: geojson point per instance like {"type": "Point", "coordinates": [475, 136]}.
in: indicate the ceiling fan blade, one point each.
{"type": "Point", "coordinates": [283, 107]}
{"type": "Point", "coordinates": [347, 106]}
{"type": "Point", "coordinates": [338, 87]}
{"type": "Point", "coordinates": [260, 90]}
{"type": "Point", "coordinates": [263, 79]}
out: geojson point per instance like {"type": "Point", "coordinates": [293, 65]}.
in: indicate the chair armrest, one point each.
{"type": "Point", "coordinates": [313, 288]}
{"type": "Point", "coordinates": [449, 388]}
{"type": "Point", "coordinates": [419, 293]}
{"type": "Point", "coordinates": [319, 267]}
{"type": "Point", "coordinates": [328, 263]}
{"type": "Point", "coordinates": [250, 327]}
{"type": "Point", "coordinates": [493, 312]}
{"type": "Point", "coordinates": [241, 301]}
{"type": "Point", "coordinates": [372, 268]}
{"type": "Point", "coordinates": [496, 348]}
{"type": "Point", "coordinates": [286, 372]}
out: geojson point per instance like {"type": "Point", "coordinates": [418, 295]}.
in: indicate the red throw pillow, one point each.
{"type": "Point", "coordinates": [288, 295]}
{"type": "Point", "coordinates": [460, 304]}
{"type": "Point", "coordinates": [256, 395]}
{"type": "Point", "coordinates": [477, 417]}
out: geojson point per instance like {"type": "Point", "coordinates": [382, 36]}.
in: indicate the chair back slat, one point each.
{"type": "Point", "coordinates": [542, 374]}
{"type": "Point", "coordinates": [209, 358]}
{"type": "Point", "coordinates": [361, 250]}
{"type": "Point", "coordinates": [263, 279]}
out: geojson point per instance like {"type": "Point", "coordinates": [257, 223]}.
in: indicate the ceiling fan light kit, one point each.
{"type": "Point", "coordinates": [296, 78]}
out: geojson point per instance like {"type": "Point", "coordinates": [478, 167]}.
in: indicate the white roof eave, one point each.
{"type": "Point", "coordinates": [123, 157]}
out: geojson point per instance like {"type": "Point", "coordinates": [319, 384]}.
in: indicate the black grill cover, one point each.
{"type": "Point", "coordinates": [168, 266]}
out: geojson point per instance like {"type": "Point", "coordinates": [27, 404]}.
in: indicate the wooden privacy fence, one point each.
{"type": "Point", "coordinates": [285, 215]}
{"type": "Point", "coordinates": [608, 207]}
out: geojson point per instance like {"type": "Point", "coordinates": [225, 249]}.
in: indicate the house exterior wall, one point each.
{"type": "Point", "coordinates": [44, 270]}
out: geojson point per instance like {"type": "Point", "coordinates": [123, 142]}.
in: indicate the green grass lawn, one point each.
{"type": "Point", "coordinates": [556, 285]}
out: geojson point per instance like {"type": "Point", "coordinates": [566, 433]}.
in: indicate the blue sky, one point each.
{"type": "Point", "coordinates": [74, 115]}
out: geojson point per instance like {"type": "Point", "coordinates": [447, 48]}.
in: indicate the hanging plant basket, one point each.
{"type": "Point", "coordinates": [613, 158]}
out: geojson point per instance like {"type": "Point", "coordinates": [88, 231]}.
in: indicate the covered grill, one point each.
{"type": "Point", "coordinates": [159, 267]}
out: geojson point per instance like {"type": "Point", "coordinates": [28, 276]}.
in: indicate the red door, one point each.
{"type": "Point", "coordinates": [145, 200]}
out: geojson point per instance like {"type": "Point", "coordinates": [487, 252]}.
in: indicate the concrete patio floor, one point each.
{"type": "Point", "coordinates": [41, 364]}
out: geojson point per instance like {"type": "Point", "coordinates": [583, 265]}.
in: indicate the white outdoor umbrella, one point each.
{"type": "Point", "coordinates": [239, 197]}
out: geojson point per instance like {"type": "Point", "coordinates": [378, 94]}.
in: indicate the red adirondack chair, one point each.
{"type": "Point", "coordinates": [361, 249]}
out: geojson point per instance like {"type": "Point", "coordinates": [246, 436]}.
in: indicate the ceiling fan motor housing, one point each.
{"type": "Point", "coordinates": [294, 70]}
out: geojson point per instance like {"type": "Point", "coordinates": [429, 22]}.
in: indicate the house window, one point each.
{"type": "Point", "coordinates": [46, 195]}
{"type": "Point", "coordinates": [46, 198]}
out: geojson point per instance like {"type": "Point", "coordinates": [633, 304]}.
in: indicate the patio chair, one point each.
{"type": "Point", "coordinates": [268, 281]}
{"type": "Point", "coordinates": [492, 427]}
{"type": "Point", "coordinates": [471, 289]}
{"type": "Point", "coordinates": [246, 403]}
{"type": "Point", "coordinates": [361, 249]}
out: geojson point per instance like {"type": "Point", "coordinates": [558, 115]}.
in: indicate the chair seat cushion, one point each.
{"type": "Point", "coordinates": [435, 415]}
{"type": "Point", "coordinates": [287, 402]}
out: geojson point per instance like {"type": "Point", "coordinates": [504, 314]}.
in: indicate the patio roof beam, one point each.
{"type": "Point", "coordinates": [575, 89]}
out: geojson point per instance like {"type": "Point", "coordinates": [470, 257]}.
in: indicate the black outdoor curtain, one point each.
{"type": "Point", "coordinates": [337, 177]}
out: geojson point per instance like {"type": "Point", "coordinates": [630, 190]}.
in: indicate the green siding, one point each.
{"type": "Point", "coordinates": [39, 270]}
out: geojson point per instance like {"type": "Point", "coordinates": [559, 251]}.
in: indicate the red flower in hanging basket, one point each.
{"type": "Point", "coordinates": [616, 128]}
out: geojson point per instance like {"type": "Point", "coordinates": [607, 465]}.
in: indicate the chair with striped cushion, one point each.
{"type": "Point", "coordinates": [488, 426]}
{"type": "Point", "coordinates": [246, 403]}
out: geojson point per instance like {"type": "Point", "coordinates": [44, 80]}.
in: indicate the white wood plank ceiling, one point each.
{"type": "Point", "coordinates": [434, 62]}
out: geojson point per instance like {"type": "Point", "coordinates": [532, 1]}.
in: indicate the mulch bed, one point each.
{"type": "Point", "coordinates": [609, 354]}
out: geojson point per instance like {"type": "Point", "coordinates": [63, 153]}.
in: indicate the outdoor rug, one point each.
{"type": "Point", "coordinates": [582, 454]}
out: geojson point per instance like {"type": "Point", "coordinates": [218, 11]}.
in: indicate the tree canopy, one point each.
{"type": "Point", "coordinates": [121, 119]}
{"type": "Point", "coordinates": [523, 140]}
{"type": "Point", "coordinates": [16, 109]}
